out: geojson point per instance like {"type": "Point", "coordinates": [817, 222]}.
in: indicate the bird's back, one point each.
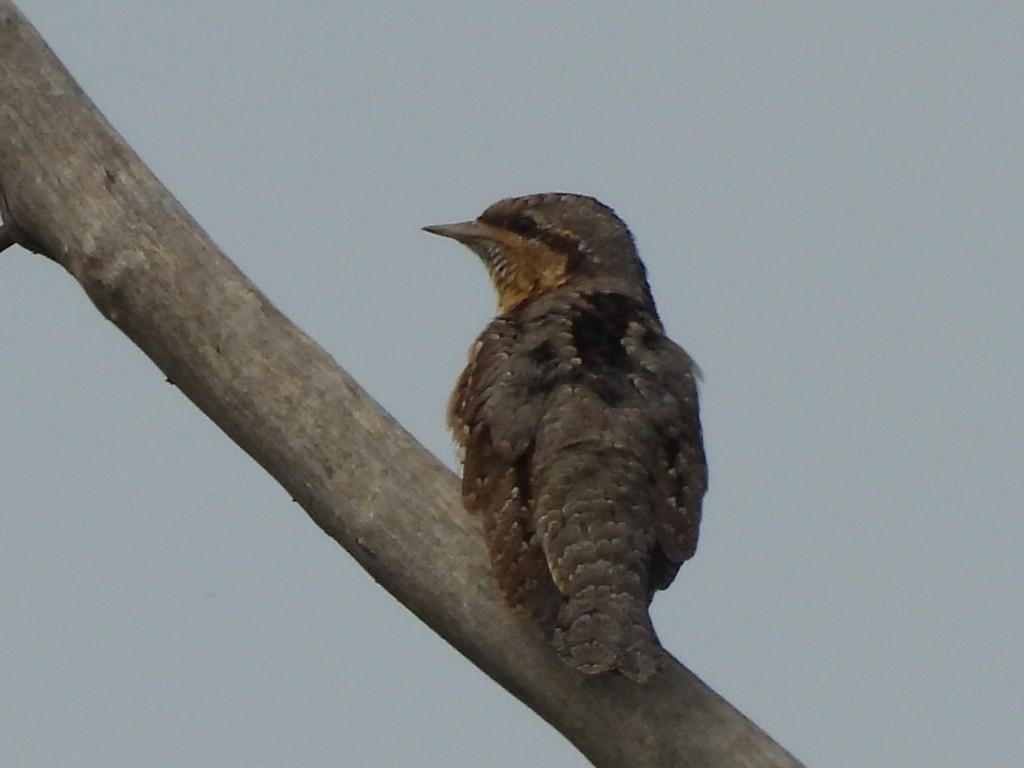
{"type": "Point", "coordinates": [572, 412]}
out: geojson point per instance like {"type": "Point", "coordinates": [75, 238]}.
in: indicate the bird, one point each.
{"type": "Point", "coordinates": [578, 428]}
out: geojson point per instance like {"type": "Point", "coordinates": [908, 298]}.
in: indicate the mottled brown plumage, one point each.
{"type": "Point", "coordinates": [580, 431]}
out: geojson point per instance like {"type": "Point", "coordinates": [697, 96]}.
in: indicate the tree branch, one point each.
{"type": "Point", "coordinates": [78, 194]}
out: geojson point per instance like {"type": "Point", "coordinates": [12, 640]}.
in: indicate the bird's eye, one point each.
{"type": "Point", "coordinates": [524, 225]}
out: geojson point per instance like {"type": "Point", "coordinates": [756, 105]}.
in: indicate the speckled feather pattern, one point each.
{"type": "Point", "coordinates": [578, 420]}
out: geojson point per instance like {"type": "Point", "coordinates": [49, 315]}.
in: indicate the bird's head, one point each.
{"type": "Point", "coordinates": [535, 243]}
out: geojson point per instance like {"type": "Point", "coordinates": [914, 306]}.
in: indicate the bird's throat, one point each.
{"type": "Point", "coordinates": [522, 272]}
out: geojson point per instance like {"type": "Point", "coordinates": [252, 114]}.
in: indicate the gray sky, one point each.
{"type": "Point", "coordinates": [829, 199]}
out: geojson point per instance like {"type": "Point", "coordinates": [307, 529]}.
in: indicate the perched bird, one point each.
{"type": "Point", "coordinates": [579, 428]}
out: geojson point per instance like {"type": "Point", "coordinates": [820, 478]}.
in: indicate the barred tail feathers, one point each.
{"type": "Point", "coordinates": [596, 524]}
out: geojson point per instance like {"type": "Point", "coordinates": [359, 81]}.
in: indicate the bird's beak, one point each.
{"type": "Point", "coordinates": [465, 231]}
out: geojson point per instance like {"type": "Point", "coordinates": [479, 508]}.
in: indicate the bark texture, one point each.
{"type": "Point", "coordinates": [76, 193]}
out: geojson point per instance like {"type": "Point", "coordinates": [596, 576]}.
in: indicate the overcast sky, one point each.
{"type": "Point", "coordinates": [830, 201]}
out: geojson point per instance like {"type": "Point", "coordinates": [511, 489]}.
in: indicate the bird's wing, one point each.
{"type": "Point", "coordinates": [494, 422]}
{"type": "Point", "coordinates": [680, 467]}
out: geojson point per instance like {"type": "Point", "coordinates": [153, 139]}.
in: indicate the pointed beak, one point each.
{"type": "Point", "coordinates": [465, 231]}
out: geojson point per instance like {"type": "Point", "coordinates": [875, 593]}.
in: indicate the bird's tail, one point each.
{"type": "Point", "coordinates": [599, 629]}
{"type": "Point", "coordinates": [596, 525]}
